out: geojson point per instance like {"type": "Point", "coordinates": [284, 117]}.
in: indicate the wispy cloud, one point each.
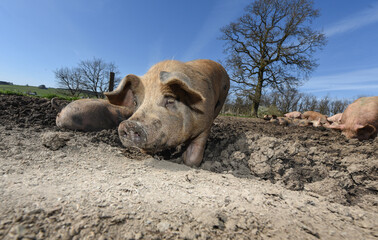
{"type": "Point", "coordinates": [363, 82]}
{"type": "Point", "coordinates": [355, 21]}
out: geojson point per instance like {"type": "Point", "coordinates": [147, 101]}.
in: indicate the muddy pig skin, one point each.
{"type": "Point", "coordinates": [314, 116]}
{"type": "Point", "coordinates": [92, 115]}
{"type": "Point", "coordinates": [293, 115]}
{"type": "Point", "coordinates": [300, 122]}
{"type": "Point", "coordinates": [268, 117]}
{"type": "Point", "coordinates": [176, 104]}
{"type": "Point", "coordinates": [335, 118]}
{"type": "Point", "coordinates": [360, 119]}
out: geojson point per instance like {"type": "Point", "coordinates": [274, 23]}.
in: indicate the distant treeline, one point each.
{"type": "Point", "coordinates": [280, 103]}
{"type": "Point", "coordinates": [5, 83]}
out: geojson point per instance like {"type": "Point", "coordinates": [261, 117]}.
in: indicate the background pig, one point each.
{"type": "Point", "coordinates": [268, 117]}
{"type": "Point", "coordinates": [294, 114]}
{"type": "Point", "coordinates": [316, 123]}
{"type": "Point", "coordinates": [314, 116]}
{"type": "Point", "coordinates": [360, 119]}
{"type": "Point", "coordinates": [92, 115]}
{"type": "Point", "coordinates": [283, 121]}
{"type": "Point", "coordinates": [175, 103]}
{"type": "Point", "coordinates": [300, 122]}
{"type": "Point", "coordinates": [335, 118]}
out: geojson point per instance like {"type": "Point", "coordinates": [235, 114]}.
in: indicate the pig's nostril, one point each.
{"type": "Point", "coordinates": [123, 133]}
{"type": "Point", "coordinates": [135, 136]}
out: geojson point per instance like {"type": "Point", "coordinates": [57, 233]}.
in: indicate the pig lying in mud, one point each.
{"type": "Point", "coordinates": [92, 115]}
{"type": "Point", "coordinates": [335, 118]}
{"type": "Point", "coordinates": [294, 114]}
{"type": "Point", "coordinates": [360, 119]}
{"type": "Point", "coordinates": [286, 121]}
{"type": "Point", "coordinates": [174, 103]}
{"type": "Point", "coordinates": [315, 116]}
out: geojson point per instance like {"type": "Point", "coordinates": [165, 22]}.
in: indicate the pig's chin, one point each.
{"type": "Point", "coordinates": [349, 134]}
{"type": "Point", "coordinates": [155, 145]}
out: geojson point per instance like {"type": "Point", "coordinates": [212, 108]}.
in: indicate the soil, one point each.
{"type": "Point", "coordinates": [258, 180]}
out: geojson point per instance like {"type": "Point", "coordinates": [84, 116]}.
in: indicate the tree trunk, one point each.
{"type": "Point", "coordinates": [257, 94]}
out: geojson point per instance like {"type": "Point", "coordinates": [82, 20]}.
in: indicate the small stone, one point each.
{"type": "Point", "coordinates": [53, 140]}
{"type": "Point", "coordinates": [163, 226]}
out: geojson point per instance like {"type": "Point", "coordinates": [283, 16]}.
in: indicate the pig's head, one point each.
{"type": "Point", "coordinates": [165, 107]}
{"type": "Point", "coordinates": [359, 131]}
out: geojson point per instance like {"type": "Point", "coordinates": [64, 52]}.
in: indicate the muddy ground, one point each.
{"type": "Point", "coordinates": [258, 181]}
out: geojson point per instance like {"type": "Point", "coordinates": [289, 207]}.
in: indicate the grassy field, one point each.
{"type": "Point", "coordinates": [35, 91]}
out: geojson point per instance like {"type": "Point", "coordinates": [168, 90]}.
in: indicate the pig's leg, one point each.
{"type": "Point", "coordinates": [92, 115]}
{"type": "Point", "coordinates": [194, 153]}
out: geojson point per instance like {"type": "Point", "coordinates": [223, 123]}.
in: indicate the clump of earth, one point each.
{"type": "Point", "coordinates": [258, 180]}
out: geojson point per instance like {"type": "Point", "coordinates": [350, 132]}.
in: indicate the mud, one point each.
{"type": "Point", "coordinates": [258, 180]}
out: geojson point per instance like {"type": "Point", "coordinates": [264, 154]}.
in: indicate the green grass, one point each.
{"type": "Point", "coordinates": [44, 93]}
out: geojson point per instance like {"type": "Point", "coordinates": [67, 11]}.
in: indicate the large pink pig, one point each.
{"type": "Point", "coordinates": [360, 119]}
{"type": "Point", "coordinates": [174, 103]}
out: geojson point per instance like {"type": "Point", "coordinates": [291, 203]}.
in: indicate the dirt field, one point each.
{"type": "Point", "coordinates": [258, 181]}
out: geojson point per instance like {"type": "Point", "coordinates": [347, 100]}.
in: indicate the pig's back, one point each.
{"type": "Point", "coordinates": [362, 111]}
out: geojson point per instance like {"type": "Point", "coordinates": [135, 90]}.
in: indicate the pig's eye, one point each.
{"type": "Point", "coordinates": [169, 102]}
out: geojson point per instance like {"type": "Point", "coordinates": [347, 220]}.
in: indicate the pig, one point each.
{"type": "Point", "coordinates": [92, 115]}
{"type": "Point", "coordinates": [316, 123]}
{"type": "Point", "coordinates": [335, 118]}
{"type": "Point", "coordinates": [360, 119]}
{"type": "Point", "coordinates": [314, 116]}
{"type": "Point", "coordinates": [268, 117]}
{"type": "Point", "coordinates": [273, 120]}
{"type": "Point", "coordinates": [330, 125]}
{"type": "Point", "coordinates": [300, 122]}
{"type": "Point", "coordinates": [294, 114]}
{"type": "Point", "coordinates": [283, 121]}
{"type": "Point", "coordinates": [175, 103]}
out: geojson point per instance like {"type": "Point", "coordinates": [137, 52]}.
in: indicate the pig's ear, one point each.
{"type": "Point", "coordinates": [365, 131]}
{"type": "Point", "coordinates": [124, 95]}
{"type": "Point", "coordinates": [182, 81]}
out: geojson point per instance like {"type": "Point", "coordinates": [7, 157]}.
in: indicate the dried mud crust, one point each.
{"type": "Point", "coordinates": [300, 158]}
{"type": "Point", "coordinates": [67, 184]}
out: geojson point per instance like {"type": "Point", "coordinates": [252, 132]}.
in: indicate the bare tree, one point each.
{"type": "Point", "coordinates": [308, 103]}
{"type": "Point", "coordinates": [338, 106]}
{"type": "Point", "coordinates": [272, 45]}
{"type": "Point", "coordinates": [95, 75]}
{"type": "Point", "coordinates": [69, 79]}
{"type": "Point", "coordinates": [324, 105]}
{"type": "Point", "coordinates": [288, 99]}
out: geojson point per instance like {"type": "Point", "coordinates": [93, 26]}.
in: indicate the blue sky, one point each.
{"type": "Point", "coordinates": [39, 36]}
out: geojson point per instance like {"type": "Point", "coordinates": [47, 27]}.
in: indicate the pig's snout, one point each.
{"type": "Point", "coordinates": [132, 133]}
